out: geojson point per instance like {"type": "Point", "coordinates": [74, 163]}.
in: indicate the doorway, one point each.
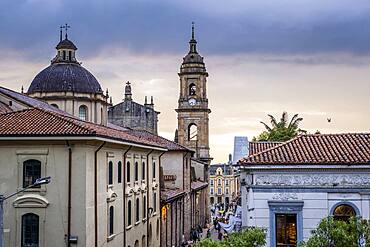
{"type": "Point", "coordinates": [286, 230]}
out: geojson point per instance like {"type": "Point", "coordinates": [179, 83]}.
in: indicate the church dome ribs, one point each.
{"type": "Point", "coordinates": [61, 77]}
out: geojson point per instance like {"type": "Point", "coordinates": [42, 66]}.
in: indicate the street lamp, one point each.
{"type": "Point", "coordinates": [39, 181]}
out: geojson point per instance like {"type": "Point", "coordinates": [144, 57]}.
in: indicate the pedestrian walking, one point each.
{"type": "Point", "coordinates": [220, 236]}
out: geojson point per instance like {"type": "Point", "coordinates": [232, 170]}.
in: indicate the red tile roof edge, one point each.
{"type": "Point", "coordinates": [80, 124]}
{"type": "Point", "coordinates": [249, 159]}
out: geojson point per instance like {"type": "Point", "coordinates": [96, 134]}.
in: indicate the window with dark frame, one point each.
{"type": "Point", "coordinates": [129, 213]}
{"type": "Point", "coordinates": [155, 202]}
{"type": "Point", "coordinates": [119, 175]}
{"type": "Point", "coordinates": [137, 210]}
{"type": "Point", "coordinates": [144, 207]}
{"type": "Point", "coordinates": [110, 172]}
{"type": "Point", "coordinates": [30, 230]}
{"type": "Point", "coordinates": [111, 220]}
{"type": "Point", "coordinates": [136, 171]}
{"type": "Point", "coordinates": [153, 172]}
{"type": "Point", "coordinates": [286, 230]}
{"type": "Point", "coordinates": [128, 172]}
{"type": "Point", "coordinates": [143, 171]}
{"type": "Point", "coordinates": [31, 172]}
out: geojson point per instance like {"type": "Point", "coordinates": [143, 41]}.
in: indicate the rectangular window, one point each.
{"type": "Point", "coordinates": [136, 171]}
{"type": "Point", "coordinates": [31, 172]}
{"type": "Point", "coordinates": [219, 181]}
{"type": "Point", "coordinates": [211, 182]}
{"type": "Point", "coordinates": [212, 191]}
{"type": "Point", "coordinates": [153, 172]}
{"type": "Point", "coordinates": [219, 191]}
{"type": "Point", "coordinates": [155, 202]}
{"type": "Point", "coordinates": [227, 182]}
{"type": "Point", "coordinates": [143, 171]}
{"type": "Point", "coordinates": [286, 230]}
{"type": "Point", "coordinates": [110, 172]}
{"type": "Point", "coordinates": [226, 191]}
{"type": "Point", "coordinates": [128, 172]}
{"type": "Point", "coordinates": [119, 172]}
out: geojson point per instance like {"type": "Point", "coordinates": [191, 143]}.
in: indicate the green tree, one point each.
{"type": "Point", "coordinates": [339, 233]}
{"type": "Point", "coordinates": [250, 237]}
{"type": "Point", "coordinates": [283, 130]}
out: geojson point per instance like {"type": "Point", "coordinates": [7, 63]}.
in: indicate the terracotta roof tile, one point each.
{"type": "Point", "coordinates": [170, 145]}
{"type": "Point", "coordinates": [351, 148]}
{"type": "Point", "coordinates": [39, 122]}
{"type": "Point", "coordinates": [257, 147]}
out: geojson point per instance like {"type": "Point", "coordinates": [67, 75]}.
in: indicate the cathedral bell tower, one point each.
{"type": "Point", "coordinates": [193, 111]}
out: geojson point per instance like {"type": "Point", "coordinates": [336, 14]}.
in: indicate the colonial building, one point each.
{"type": "Point", "coordinates": [105, 179]}
{"type": "Point", "coordinates": [99, 195]}
{"type": "Point", "coordinates": [192, 115]}
{"type": "Point", "coordinates": [288, 188]}
{"type": "Point", "coordinates": [130, 114]}
{"type": "Point", "coordinates": [223, 183]}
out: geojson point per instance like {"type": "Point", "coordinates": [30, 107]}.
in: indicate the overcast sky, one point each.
{"type": "Point", "coordinates": [263, 57]}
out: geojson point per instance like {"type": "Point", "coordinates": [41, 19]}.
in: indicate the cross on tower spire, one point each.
{"type": "Point", "coordinates": [193, 42]}
{"type": "Point", "coordinates": [66, 26]}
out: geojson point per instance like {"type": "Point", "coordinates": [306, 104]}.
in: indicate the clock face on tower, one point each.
{"type": "Point", "coordinates": [192, 101]}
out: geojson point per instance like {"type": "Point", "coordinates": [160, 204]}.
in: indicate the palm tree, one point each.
{"type": "Point", "coordinates": [283, 130]}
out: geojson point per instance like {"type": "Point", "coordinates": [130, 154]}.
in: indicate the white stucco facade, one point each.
{"type": "Point", "coordinates": [310, 194]}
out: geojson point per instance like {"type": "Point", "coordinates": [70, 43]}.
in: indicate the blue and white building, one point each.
{"type": "Point", "coordinates": [289, 187]}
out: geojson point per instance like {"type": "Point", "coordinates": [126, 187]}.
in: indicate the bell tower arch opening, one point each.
{"type": "Point", "coordinates": [192, 132]}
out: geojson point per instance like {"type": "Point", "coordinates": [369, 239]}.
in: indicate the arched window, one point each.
{"type": "Point", "coordinates": [30, 230]}
{"type": "Point", "coordinates": [82, 113]}
{"type": "Point", "coordinates": [144, 207]}
{"type": "Point", "coordinates": [154, 168]}
{"type": "Point", "coordinates": [192, 89]}
{"type": "Point", "coordinates": [192, 132]}
{"type": "Point", "coordinates": [111, 220]}
{"type": "Point", "coordinates": [54, 105]}
{"type": "Point", "coordinates": [136, 171]}
{"type": "Point", "coordinates": [119, 171]}
{"type": "Point", "coordinates": [137, 206]}
{"type": "Point", "coordinates": [31, 172]}
{"type": "Point", "coordinates": [136, 243]}
{"type": "Point", "coordinates": [110, 172]}
{"type": "Point", "coordinates": [143, 171]}
{"type": "Point", "coordinates": [128, 171]}
{"type": "Point", "coordinates": [129, 213]}
{"type": "Point", "coordinates": [344, 212]}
